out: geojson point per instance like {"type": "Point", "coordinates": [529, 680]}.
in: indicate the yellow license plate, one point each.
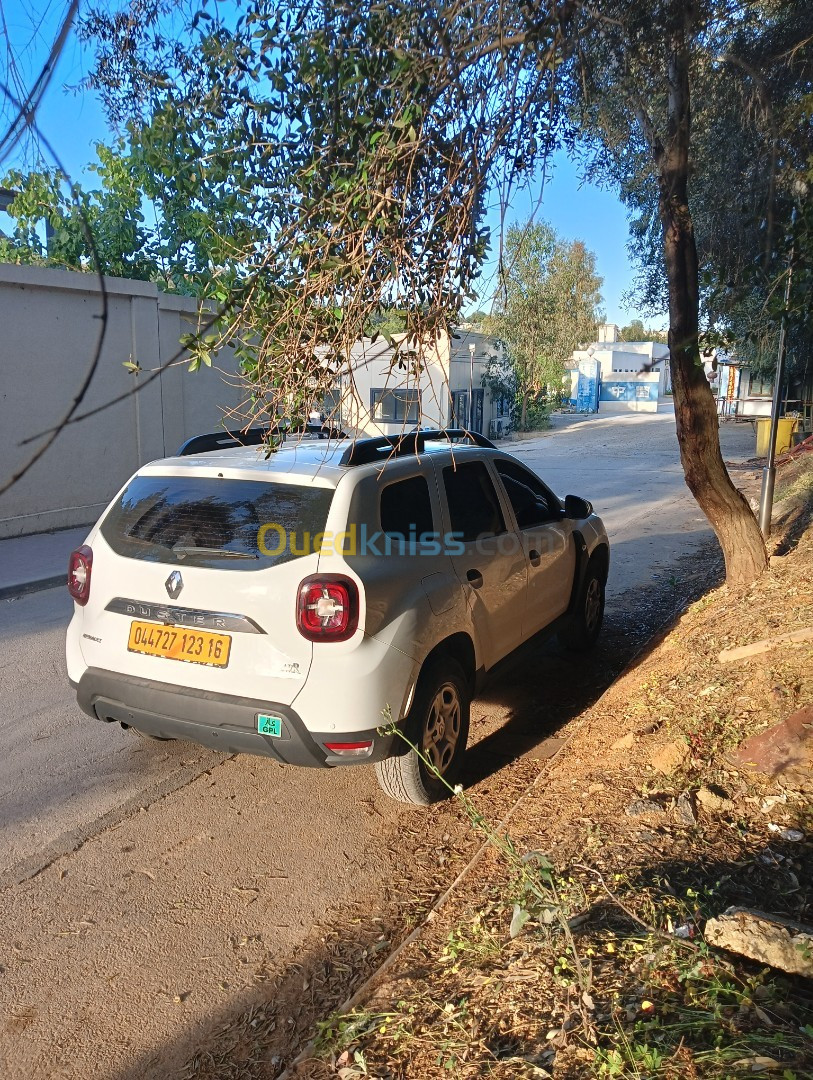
{"type": "Point", "coordinates": [179, 643]}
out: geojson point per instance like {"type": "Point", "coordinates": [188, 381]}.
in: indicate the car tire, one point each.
{"type": "Point", "coordinates": [584, 625]}
{"type": "Point", "coordinates": [438, 724]}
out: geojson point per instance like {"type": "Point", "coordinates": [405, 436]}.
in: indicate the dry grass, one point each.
{"type": "Point", "coordinates": [558, 955]}
{"type": "Point", "coordinates": [568, 964]}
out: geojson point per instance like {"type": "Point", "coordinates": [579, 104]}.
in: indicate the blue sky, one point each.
{"type": "Point", "coordinates": [73, 122]}
{"type": "Point", "coordinates": [578, 210]}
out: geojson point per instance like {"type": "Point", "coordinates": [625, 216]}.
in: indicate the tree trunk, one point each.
{"type": "Point", "coordinates": [695, 411]}
{"type": "Point", "coordinates": [523, 421]}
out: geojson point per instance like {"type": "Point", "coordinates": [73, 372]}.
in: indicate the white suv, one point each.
{"type": "Point", "coordinates": [299, 605]}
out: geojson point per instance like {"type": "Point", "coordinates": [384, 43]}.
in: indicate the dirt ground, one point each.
{"type": "Point", "coordinates": [575, 947]}
{"type": "Point", "coordinates": [265, 1006]}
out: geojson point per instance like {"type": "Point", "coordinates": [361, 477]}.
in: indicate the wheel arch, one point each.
{"type": "Point", "coordinates": [601, 553]}
{"type": "Point", "coordinates": [460, 648]}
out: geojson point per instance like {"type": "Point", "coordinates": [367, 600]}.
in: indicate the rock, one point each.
{"type": "Point", "coordinates": [767, 939]}
{"type": "Point", "coordinates": [650, 729]}
{"type": "Point", "coordinates": [785, 748]}
{"type": "Point", "coordinates": [711, 801]}
{"type": "Point", "coordinates": [669, 758]}
{"type": "Point", "coordinates": [626, 742]}
{"type": "Point", "coordinates": [793, 836]}
{"type": "Point", "coordinates": [685, 809]}
{"type": "Point", "coordinates": [639, 807]}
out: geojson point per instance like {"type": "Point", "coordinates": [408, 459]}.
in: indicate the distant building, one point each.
{"type": "Point", "coordinates": [395, 388]}
{"type": "Point", "coordinates": [743, 394]}
{"type": "Point", "coordinates": [633, 374]}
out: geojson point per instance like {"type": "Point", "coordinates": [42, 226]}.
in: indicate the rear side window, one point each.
{"type": "Point", "coordinates": [211, 521]}
{"type": "Point", "coordinates": [473, 506]}
{"type": "Point", "coordinates": [406, 508]}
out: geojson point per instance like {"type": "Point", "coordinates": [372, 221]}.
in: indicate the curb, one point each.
{"type": "Point", "coordinates": [12, 592]}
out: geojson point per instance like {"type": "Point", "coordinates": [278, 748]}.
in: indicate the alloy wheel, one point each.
{"type": "Point", "coordinates": [442, 728]}
{"type": "Point", "coordinates": [592, 605]}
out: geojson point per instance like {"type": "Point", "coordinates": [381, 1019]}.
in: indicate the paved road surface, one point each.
{"type": "Point", "coordinates": [115, 853]}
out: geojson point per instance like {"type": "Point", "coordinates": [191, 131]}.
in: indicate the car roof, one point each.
{"type": "Point", "coordinates": [317, 460]}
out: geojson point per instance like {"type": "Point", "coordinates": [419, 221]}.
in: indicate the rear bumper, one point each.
{"type": "Point", "coordinates": [220, 721]}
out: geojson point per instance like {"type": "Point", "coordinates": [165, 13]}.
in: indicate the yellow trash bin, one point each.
{"type": "Point", "coordinates": [785, 430]}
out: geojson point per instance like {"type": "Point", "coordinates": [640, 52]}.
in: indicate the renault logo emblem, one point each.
{"type": "Point", "coordinates": [174, 584]}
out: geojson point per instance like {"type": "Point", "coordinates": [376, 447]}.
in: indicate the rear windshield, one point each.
{"type": "Point", "coordinates": [211, 521]}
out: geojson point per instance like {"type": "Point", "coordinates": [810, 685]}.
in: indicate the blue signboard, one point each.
{"type": "Point", "coordinates": [629, 390]}
{"type": "Point", "coordinates": [587, 387]}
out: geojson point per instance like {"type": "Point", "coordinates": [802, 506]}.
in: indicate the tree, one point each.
{"type": "Point", "coordinates": [546, 306]}
{"type": "Point", "coordinates": [643, 82]}
{"type": "Point", "coordinates": [636, 331]}
{"type": "Point", "coordinates": [113, 215]}
{"type": "Point", "coordinates": [750, 120]}
{"type": "Point", "coordinates": [187, 244]}
{"type": "Point", "coordinates": [363, 138]}
{"type": "Point", "coordinates": [386, 323]}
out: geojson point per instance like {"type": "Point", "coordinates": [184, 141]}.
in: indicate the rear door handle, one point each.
{"type": "Point", "coordinates": [474, 578]}
{"type": "Point", "coordinates": [534, 556]}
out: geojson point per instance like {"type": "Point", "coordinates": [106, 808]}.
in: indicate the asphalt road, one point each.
{"type": "Point", "coordinates": [115, 852]}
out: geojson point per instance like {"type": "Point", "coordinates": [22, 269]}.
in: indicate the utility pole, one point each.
{"type": "Point", "coordinates": [769, 472]}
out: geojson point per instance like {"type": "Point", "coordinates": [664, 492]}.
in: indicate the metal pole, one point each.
{"type": "Point", "coordinates": [471, 387]}
{"type": "Point", "coordinates": [769, 472]}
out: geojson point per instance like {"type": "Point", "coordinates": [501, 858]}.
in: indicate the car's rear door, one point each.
{"type": "Point", "coordinates": [487, 556]}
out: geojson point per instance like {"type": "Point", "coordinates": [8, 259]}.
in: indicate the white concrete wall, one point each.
{"type": "Point", "coordinates": [49, 326]}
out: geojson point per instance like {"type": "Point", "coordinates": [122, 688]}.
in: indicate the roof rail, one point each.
{"type": "Point", "coordinates": [365, 451]}
{"type": "Point", "coordinates": [222, 440]}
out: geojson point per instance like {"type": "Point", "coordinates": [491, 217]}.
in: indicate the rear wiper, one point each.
{"type": "Point", "coordinates": [224, 552]}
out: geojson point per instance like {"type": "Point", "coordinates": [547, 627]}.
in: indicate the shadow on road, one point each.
{"type": "Point", "coordinates": [541, 687]}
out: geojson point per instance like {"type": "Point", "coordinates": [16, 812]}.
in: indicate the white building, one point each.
{"type": "Point", "coordinates": [634, 374]}
{"type": "Point", "coordinates": [393, 389]}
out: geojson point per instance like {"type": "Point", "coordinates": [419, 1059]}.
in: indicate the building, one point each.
{"type": "Point", "coordinates": [633, 375]}
{"type": "Point", "coordinates": [390, 389]}
{"type": "Point", "coordinates": [744, 395]}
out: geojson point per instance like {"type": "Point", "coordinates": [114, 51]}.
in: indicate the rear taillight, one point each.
{"type": "Point", "coordinates": [80, 565]}
{"type": "Point", "coordinates": [350, 749]}
{"type": "Point", "coordinates": [327, 608]}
